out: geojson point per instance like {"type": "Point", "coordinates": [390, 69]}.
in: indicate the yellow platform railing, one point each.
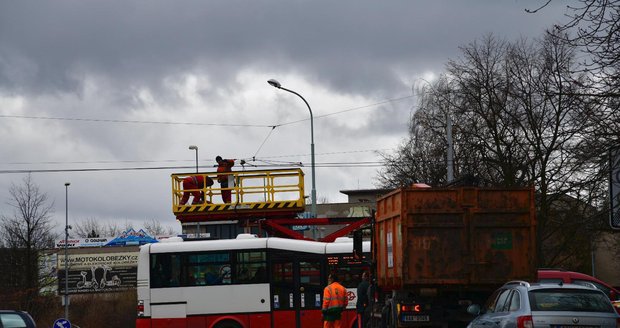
{"type": "Point", "coordinates": [255, 189]}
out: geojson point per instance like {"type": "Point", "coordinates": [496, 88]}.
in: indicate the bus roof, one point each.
{"type": "Point", "coordinates": [242, 243]}
{"type": "Point", "coordinates": [345, 245]}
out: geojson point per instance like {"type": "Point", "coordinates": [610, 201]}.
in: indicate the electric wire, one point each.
{"type": "Point", "coordinates": [349, 110]}
{"type": "Point", "coordinates": [99, 120]}
{"type": "Point", "coordinates": [318, 165]}
{"type": "Point", "coordinates": [134, 121]}
{"type": "Point", "coordinates": [272, 128]}
{"type": "Point", "coordinates": [265, 140]}
{"type": "Point", "coordinates": [269, 159]}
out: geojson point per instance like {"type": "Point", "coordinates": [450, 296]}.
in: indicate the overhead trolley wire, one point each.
{"type": "Point", "coordinates": [348, 110]}
{"type": "Point", "coordinates": [134, 121]}
{"type": "Point", "coordinates": [272, 128]}
{"type": "Point", "coordinates": [265, 140]}
{"type": "Point", "coordinates": [96, 169]}
{"type": "Point", "coordinates": [271, 160]}
{"type": "Point", "coordinates": [199, 123]}
{"type": "Point", "coordinates": [340, 164]}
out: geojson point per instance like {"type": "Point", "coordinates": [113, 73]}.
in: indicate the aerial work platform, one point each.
{"type": "Point", "coordinates": [254, 193]}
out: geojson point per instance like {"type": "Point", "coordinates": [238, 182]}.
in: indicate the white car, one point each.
{"type": "Point", "coordinates": [519, 304]}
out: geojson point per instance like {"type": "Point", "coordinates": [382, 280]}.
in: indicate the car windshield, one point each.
{"type": "Point", "coordinates": [12, 320]}
{"type": "Point", "coordinates": [576, 300]}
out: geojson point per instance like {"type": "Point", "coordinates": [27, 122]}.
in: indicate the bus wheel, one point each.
{"type": "Point", "coordinates": [227, 324]}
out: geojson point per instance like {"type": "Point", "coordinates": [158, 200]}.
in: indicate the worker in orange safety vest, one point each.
{"type": "Point", "coordinates": [335, 300]}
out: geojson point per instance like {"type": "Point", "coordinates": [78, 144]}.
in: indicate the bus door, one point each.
{"type": "Point", "coordinates": [297, 290]}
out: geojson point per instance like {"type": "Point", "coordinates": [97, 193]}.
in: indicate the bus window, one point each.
{"type": "Point", "coordinates": [282, 284]}
{"type": "Point", "coordinates": [260, 275]}
{"type": "Point", "coordinates": [283, 272]}
{"type": "Point", "coordinates": [310, 282]}
{"type": "Point", "coordinates": [310, 273]}
{"type": "Point", "coordinates": [194, 276]}
{"type": "Point", "coordinates": [208, 269]}
{"type": "Point", "coordinates": [165, 270]}
{"type": "Point", "coordinates": [349, 268]}
{"type": "Point", "coordinates": [251, 267]}
{"type": "Point", "coordinates": [350, 276]}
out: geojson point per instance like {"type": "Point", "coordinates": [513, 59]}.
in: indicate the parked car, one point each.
{"type": "Point", "coordinates": [571, 277]}
{"type": "Point", "coordinates": [16, 319]}
{"type": "Point", "coordinates": [524, 305]}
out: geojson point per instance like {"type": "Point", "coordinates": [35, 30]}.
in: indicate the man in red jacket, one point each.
{"type": "Point", "coordinates": [225, 180]}
{"type": "Point", "coordinates": [194, 183]}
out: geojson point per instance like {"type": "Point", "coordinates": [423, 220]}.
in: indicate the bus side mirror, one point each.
{"type": "Point", "coordinates": [357, 245]}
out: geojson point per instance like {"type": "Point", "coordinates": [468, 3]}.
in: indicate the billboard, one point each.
{"type": "Point", "coordinates": [82, 242]}
{"type": "Point", "coordinates": [101, 272]}
{"type": "Point", "coordinates": [129, 237]}
{"type": "Point", "coordinates": [614, 187]}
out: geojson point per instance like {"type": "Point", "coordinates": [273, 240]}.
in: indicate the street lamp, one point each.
{"type": "Point", "coordinates": [67, 227]}
{"type": "Point", "coordinates": [192, 147]}
{"type": "Point", "coordinates": [450, 157]}
{"type": "Point", "coordinates": [277, 84]}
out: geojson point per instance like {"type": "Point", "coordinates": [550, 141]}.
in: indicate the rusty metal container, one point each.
{"type": "Point", "coordinates": [454, 237]}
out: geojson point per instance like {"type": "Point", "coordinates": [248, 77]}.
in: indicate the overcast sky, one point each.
{"type": "Point", "coordinates": [131, 84]}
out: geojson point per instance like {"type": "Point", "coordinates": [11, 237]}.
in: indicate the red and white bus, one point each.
{"type": "Point", "coordinates": [245, 282]}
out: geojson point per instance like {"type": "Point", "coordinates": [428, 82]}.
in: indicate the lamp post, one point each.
{"type": "Point", "coordinates": [450, 157]}
{"type": "Point", "coordinates": [192, 147]}
{"type": "Point", "coordinates": [277, 84]}
{"type": "Point", "coordinates": [67, 227]}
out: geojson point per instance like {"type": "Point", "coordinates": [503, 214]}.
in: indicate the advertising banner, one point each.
{"type": "Point", "coordinates": [82, 261]}
{"type": "Point", "coordinates": [104, 272]}
{"type": "Point", "coordinates": [83, 242]}
{"type": "Point", "coordinates": [128, 237]}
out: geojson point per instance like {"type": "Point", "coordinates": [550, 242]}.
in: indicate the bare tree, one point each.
{"type": "Point", "coordinates": [422, 156]}
{"type": "Point", "coordinates": [154, 228]}
{"type": "Point", "coordinates": [91, 226]}
{"type": "Point", "coordinates": [521, 113]}
{"type": "Point", "coordinates": [25, 233]}
{"type": "Point", "coordinates": [88, 227]}
{"type": "Point", "coordinates": [593, 27]}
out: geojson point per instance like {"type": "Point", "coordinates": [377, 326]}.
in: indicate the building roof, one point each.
{"type": "Point", "coordinates": [366, 191]}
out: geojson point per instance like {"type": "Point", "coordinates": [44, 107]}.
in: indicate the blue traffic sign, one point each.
{"type": "Point", "coordinates": [62, 323]}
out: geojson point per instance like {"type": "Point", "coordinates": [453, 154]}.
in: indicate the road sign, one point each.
{"type": "Point", "coordinates": [304, 215]}
{"type": "Point", "coordinates": [62, 323]}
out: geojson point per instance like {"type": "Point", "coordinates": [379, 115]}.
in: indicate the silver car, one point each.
{"type": "Point", "coordinates": [519, 304]}
{"type": "Point", "coordinates": [16, 319]}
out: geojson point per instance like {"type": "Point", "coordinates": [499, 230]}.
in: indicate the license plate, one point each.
{"type": "Point", "coordinates": [416, 318]}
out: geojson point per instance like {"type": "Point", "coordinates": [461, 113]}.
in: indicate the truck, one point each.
{"type": "Point", "coordinates": [437, 250]}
